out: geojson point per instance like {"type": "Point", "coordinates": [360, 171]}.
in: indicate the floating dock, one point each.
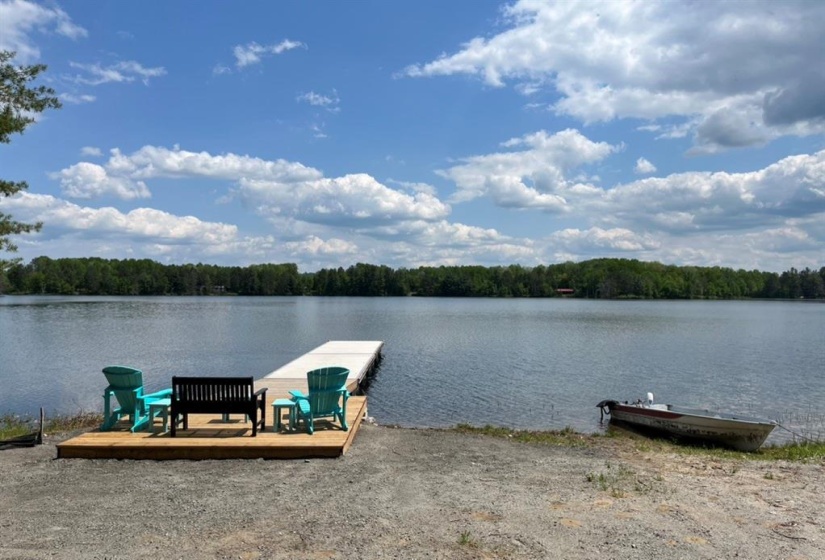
{"type": "Point", "coordinates": [210, 437]}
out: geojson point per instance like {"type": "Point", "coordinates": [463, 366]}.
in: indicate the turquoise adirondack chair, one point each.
{"type": "Point", "coordinates": [327, 397]}
{"type": "Point", "coordinates": [126, 386]}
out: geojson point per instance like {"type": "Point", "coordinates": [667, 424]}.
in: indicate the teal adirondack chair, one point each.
{"type": "Point", "coordinates": [126, 386]}
{"type": "Point", "coordinates": [327, 397]}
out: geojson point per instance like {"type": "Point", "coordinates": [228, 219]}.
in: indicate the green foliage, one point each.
{"type": "Point", "coordinates": [599, 278]}
{"type": "Point", "coordinates": [95, 276]}
{"type": "Point", "coordinates": [800, 452]}
{"type": "Point", "coordinates": [18, 104]}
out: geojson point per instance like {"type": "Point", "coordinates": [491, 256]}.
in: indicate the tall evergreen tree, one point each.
{"type": "Point", "coordinates": [19, 103]}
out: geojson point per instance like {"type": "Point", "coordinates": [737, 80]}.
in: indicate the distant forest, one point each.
{"type": "Point", "coordinates": [598, 278]}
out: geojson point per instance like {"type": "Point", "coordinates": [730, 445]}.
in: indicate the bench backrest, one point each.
{"type": "Point", "coordinates": [212, 389]}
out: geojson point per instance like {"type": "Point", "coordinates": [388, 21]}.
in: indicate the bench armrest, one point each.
{"type": "Point", "coordinates": [260, 392]}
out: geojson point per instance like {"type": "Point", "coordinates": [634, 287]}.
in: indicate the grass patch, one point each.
{"type": "Point", "coordinates": [796, 451]}
{"type": "Point", "coordinates": [13, 425]}
{"type": "Point", "coordinates": [466, 539]}
{"type": "Point", "coordinates": [617, 481]}
{"type": "Point", "coordinates": [565, 437]}
{"type": "Point", "coordinates": [802, 452]}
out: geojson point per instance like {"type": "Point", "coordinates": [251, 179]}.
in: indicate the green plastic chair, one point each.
{"type": "Point", "coordinates": [126, 385]}
{"type": "Point", "coordinates": [327, 397]}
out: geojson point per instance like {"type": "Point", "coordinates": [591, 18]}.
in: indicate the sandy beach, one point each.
{"type": "Point", "coordinates": [403, 493]}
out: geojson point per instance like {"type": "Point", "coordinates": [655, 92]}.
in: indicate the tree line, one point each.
{"type": "Point", "coordinates": [597, 278]}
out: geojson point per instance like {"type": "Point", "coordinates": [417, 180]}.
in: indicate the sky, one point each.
{"type": "Point", "coordinates": [425, 133]}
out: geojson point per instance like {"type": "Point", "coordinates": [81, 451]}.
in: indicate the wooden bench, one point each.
{"type": "Point", "coordinates": [217, 395]}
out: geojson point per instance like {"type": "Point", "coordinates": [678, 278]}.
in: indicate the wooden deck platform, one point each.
{"type": "Point", "coordinates": [209, 437]}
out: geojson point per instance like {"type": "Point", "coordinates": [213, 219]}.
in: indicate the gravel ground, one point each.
{"type": "Point", "coordinates": [414, 494]}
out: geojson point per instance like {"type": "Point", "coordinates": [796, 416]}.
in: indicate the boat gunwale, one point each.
{"type": "Point", "coordinates": [674, 412]}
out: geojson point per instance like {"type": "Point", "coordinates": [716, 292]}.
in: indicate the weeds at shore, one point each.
{"type": "Point", "coordinates": [805, 451]}
{"type": "Point", "coordinates": [13, 425]}
{"type": "Point", "coordinates": [565, 437]}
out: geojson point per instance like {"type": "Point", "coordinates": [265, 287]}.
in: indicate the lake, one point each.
{"type": "Point", "coordinates": [521, 363]}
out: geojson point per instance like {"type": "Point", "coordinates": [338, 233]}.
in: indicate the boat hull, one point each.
{"type": "Point", "coordinates": [738, 432]}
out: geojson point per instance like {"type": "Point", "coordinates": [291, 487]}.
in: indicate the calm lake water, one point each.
{"type": "Point", "coordinates": [538, 364]}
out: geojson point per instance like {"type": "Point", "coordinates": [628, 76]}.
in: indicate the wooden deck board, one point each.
{"type": "Point", "coordinates": [209, 437]}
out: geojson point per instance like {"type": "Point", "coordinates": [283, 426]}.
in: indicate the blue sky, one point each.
{"type": "Point", "coordinates": [327, 133]}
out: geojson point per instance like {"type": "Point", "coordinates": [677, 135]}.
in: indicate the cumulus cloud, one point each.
{"type": "Point", "coordinates": [644, 167]}
{"type": "Point", "coordinates": [120, 72]}
{"type": "Point", "coordinates": [145, 224]}
{"type": "Point", "coordinates": [273, 188]}
{"type": "Point", "coordinates": [597, 241]}
{"type": "Point", "coordinates": [252, 53]}
{"type": "Point", "coordinates": [715, 64]}
{"type": "Point", "coordinates": [316, 246]}
{"type": "Point", "coordinates": [153, 161]}
{"type": "Point", "coordinates": [89, 180]}
{"type": "Point", "coordinates": [793, 187]}
{"type": "Point", "coordinates": [438, 243]}
{"type": "Point", "coordinates": [535, 176]}
{"type": "Point", "coordinates": [357, 200]}
{"type": "Point", "coordinates": [20, 18]}
{"type": "Point", "coordinates": [802, 100]}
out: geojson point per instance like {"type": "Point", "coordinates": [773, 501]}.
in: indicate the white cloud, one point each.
{"type": "Point", "coordinates": [644, 167]}
{"type": "Point", "coordinates": [414, 187]}
{"type": "Point", "coordinates": [355, 200]}
{"type": "Point", "coordinates": [90, 151]}
{"type": "Point", "coordinates": [793, 187]}
{"type": "Point", "coordinates": [314, 246]}
{"type": "Point", "coordinates": [151, 161]}
{"type": "Point", "coordinates": [328, 102]}
{"type": "Point", "coordinates": [251, 53]}
{"type": "Point", "coordinates": [20, 18]}
{"type": "Point", "coordinates": [422, 243]}
{"type": "Point", "coordinates": [140, 224]}
{"type": "Point", "coordinates": [77, 99]}
{"type": "Point", "coordinates": [89, 180]}
{"type": "Point", "coordinates": [121, 72]}
{"type": "Point", "coordinates": [219, 69]}
{"type": "Point", "coordinates": [318, 131]}
{"type": "Point", "coordinates": [273, 188]}
{"type": "Point", "coordinates": [712, 64]}
{"type": "Point", "coordinates": [534, 177]}
{"type": "Point", "coordinates": [596, 241]}
{"type": "Point", "coordinates": [690, 217]}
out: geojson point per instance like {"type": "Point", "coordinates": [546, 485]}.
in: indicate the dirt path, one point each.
{"type": "Point", "coordinates": [413, 494]}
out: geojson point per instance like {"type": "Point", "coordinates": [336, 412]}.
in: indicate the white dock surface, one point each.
{"type": "Point", "coordinates": [356, 355]}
